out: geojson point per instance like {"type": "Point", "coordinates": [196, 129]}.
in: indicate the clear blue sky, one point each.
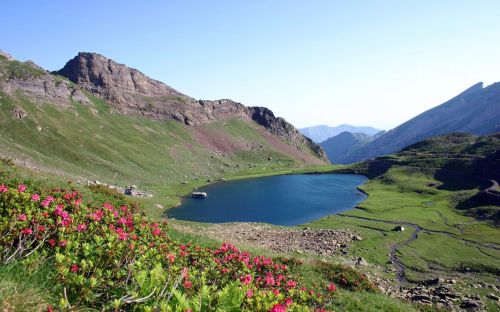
{"type": "Point", "coordinates": [372, 63]}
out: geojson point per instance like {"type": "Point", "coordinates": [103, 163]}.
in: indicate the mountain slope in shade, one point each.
{"type": "Point", "coordinates": [341, 145]}
{"type": "Point", "coordinates": [475, 111]}
{"type": "Point", "coordinates": [323, 132]}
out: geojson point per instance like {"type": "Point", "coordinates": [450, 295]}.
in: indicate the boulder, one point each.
{"type": "Point", "coordinates": [399, 228]}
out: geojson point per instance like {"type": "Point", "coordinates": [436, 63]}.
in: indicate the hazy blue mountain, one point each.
{"type": "Point", "coordinates": [475, 111]}
{"type": "Point", "coordinates": [322, 132]}
{"type": "Point", "coordinates": [339, 146]}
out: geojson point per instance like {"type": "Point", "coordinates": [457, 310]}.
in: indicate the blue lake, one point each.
{"type": "Point", "coordinates": [281, 200]}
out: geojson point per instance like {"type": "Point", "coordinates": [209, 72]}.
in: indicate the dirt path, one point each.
{"type": "Point", "coordinates": [399, 266]}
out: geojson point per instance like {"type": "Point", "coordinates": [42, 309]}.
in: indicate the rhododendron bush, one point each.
{"type": "Point", "coordinates": [108, 256]}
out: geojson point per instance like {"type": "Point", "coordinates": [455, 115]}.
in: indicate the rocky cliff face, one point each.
{"type": "Point", "coordinates": [131, 92]}
{"type": "Point", "coordinates": [34, 83]}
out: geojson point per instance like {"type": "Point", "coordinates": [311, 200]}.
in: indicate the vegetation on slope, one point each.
{"type": "Point", "coordinates": [166, 158]}
{"type": "Point", "coordinates": [106, 255]}
{"type": "Point", "coordinates": [419, 189]}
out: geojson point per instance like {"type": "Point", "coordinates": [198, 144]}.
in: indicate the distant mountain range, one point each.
{"type": "Point", "coordinates": [343, 144]}
{"type": "Point", "coordinates": [475, 111]}
{"type": "Point", "coordinates": [323, 132]}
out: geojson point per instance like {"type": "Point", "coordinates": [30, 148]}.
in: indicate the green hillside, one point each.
{"type": "Point", "coordinates": [432, 188]}
{"type": "Point", "coordinates": [90, 141]}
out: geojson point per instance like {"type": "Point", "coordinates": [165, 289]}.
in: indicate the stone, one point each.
{"type": "Point", "coordinates": [493, 297]}
{"type": "Point", "coordinates": [399, 228]}
{"type": "Point", "coordinates": [357, 238]}
{"type": "Point", "coordinates": [470, 304]}
{"type": "Point", "coordinates": [421, 297]}
{"type": "Point", "coordinates": [434, 281]}
{"type": "Point", "coordinates": [361, 262]}
{"type": "Point", "coordinates": [18, 112]}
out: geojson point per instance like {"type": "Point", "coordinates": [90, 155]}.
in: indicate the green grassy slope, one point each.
{"type": "Point", "coordinates": [90, 142]}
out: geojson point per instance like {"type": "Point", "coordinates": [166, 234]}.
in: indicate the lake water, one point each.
{"type": "Point", "coordinates": [282, 200]}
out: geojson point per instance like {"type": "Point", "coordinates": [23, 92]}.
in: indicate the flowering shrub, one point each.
{"type": "Point", "coordinates": [109, 257]}
{"type": "Point", "coordinates": [345, 276]}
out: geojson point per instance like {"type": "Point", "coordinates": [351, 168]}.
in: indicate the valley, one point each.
{"type": "Point", "coordinates": [104, 126]}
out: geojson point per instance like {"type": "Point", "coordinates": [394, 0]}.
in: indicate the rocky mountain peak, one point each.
{"type": "Point", "coordinates": [131, 92]}
{"type": "Point", "coordinates": [104, 76]}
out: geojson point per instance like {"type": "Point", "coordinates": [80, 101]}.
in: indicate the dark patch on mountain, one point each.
{"type": "Point", "coordinates": [323, 132]}
{"type": "Point", "coordinates": [341, 145]}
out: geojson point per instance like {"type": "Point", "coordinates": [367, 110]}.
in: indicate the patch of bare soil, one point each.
{"type": "Point", "coordinates": [288, 149]}
{"type": "Point", "coordinates": [217, 140]}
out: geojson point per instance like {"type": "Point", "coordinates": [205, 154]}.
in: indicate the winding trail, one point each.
{"type": "Point", "coordinates": [398, 264]}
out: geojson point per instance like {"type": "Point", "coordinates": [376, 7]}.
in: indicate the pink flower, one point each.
{"type": "Point", "coordinates": [288, 301]}
{"type": "Point", "coordinates": [247, 279]}
{"type": "Point", "coordinates": [121, 234]}
{"type": "Point", "coordinates": [278, 308]}
{"type": "Point", "coordinates": [276, 292]}
{"type": "Point", "coordinates": [108, 206]}
{"type": "Point", "coordinates": [22, 217]}
{"type": "Point", "coordinates": [52, 242]}
{"type": "Point", "coordinates": [74, 268]}
{"type": "Point", "coordinates": [27, 231]}
{"type": "Point", "coordinates": [122, 220]}
{"type": "Point", "coordinates": [249, 293]}
{"type": "Point", "coordinates": [97, 216]}
{"type": "Point", "coordinates": [21, 188]}
{"type": "Point", "coordinates": [156, 231]}
{"type": "Point", "coordinates": [187, 284]}
{"type": "Point", "coordinates": [331, 287]}
{"type": "Point", "coordinates": [3, 188]}
{"type": "Point", "coordinates": [59, 209]}
{"type": "Point", "coordinates": [41, 228]}
{"type": "Point", "coordinates": [185, 272]}
{"type": "Point", "coordinates": [270, 280]}
{"type": "Point", "coordinates": [62, 243]}
{"type": "Point", "coordinates": [81, 227]}
{"type": "Point", "coordinates": [171, 258]}
{"type": "Point", "coordinates": [291, 284]}
{"type": "Point", "coordinates": [47, 201]}
{"type": "Point", "coordinates": [66, 222]}
{"type": "Point", "coordinates": [35, 197]}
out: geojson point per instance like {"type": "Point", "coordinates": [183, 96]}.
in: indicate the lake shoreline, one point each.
{"type": "Point", "coordinates": [302, 198]}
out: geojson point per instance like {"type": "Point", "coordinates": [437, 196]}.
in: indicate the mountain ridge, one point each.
{"type": "Point", "coordinates": [321, 133]}
{"type": "Point", "coordinates": [128, 91]}
{"type": "Point", "coordinates": [476, 110]}
{"type": "Point", "coordinates": [133, 93]}
{"type": "Point", "coordinates": [342, 144]}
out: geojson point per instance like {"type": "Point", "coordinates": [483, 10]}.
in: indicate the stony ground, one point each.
{"type": "Point", "coordinates": [279, 239]}
{"type": "Point", "coordinates": [444, 294]}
